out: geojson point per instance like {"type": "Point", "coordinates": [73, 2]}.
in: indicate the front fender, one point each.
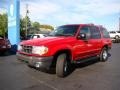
{"type": "Point", "coordinates": [57, 48]}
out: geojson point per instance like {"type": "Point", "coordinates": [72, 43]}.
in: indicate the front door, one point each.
{"type": "Point", "coordinates": [83, 47]}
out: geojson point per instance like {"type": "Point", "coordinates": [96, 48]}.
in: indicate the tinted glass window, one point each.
{"type": "Point", "coordinates": [112, 32]}
{"type": "Point", "coordinates": [85, 30]}
{"type": "Point", "coordinates": [95, 33]}
{"type": "Point", "coordinates": [118, 31]}
{"type": "Point", "coordinates": [69, 30]}
{"type": "Point", "coordinates": [45, 35]}
{"type": "Point", "coordinates": [1, 36]}
{"type": "Point", "coordinates": [105, 33]}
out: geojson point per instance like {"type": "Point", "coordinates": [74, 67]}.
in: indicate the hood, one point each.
{"type": "Point", "coordinates": [47, 41]}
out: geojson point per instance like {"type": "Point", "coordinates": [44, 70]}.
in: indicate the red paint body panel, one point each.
{"type": "Point", "coordinates": [79, 48]}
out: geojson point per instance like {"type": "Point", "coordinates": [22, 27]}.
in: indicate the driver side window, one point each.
{"type": "Point", "coordinates": [85, 30]}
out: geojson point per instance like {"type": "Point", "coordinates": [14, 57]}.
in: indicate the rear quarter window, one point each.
{"type": "Point", "coordinates": [112, 32]}
{"type": "Point", "coordinates": [105, 33]}
{"type": "Point", "coordinates": [95, 33]}
{"type": "Point", "coordinates": [118, 32]}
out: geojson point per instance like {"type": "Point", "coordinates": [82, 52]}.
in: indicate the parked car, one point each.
{"type": "Point", "coordinates": [114, 34]}
{"type": "Point", "coordinates": [4, 45]}
{"type": "Point", "coordinates": [33, 36]}
{"type": "Point", "coordinates": [38, 36]}
{"type": "Point", "coordinates": [66, 45]}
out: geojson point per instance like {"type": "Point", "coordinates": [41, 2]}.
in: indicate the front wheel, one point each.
{"type": "Point", "coordinates": [62, 65]}
{"type": "Point", "coordinates": [104, 55]}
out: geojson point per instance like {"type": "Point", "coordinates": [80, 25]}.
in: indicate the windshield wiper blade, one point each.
{"type": "Point", "coordinates": [59, 35]}
{"type": "Point", "coordinates": [63, 35]}
{"type": "Point", "coordinates": [68, 35]}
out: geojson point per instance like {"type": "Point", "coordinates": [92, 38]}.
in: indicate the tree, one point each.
{"type": "Point", "coordinates": [47, 27]}
{"type": "Point", "coordinates": [22, 27]}
{"type": "Point", "coordinates": [25, 23]}
{"type": "Point", "coordinates": [3, 24]}
{"type": "Point", "coordinates": [36, 25]}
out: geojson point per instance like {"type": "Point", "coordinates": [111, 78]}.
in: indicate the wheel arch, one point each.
{"type": "Point", "coordinates": [105, 46]}
{"type": "Point", "coordinates": [67, 51]}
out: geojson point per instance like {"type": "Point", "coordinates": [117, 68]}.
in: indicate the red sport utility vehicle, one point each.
{"type": "Point", "coordinates": [4, 45]}
{"type": "Point", "coordinates": [65, 45]}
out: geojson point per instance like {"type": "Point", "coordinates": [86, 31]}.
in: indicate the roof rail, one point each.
{"type": "Point", "coordinates": [91, 24]}
{"type": "Point", "coordinates": [100, 25]}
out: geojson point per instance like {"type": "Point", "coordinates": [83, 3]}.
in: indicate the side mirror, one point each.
{"type": "Point", "coordinates": [82, 36]}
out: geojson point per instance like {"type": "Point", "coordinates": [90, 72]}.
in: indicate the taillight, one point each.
{"type": "Point", "coordinates": [8, 43]}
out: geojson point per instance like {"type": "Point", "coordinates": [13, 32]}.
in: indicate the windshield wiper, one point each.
{"type": "Point", "coordinates": [63, 35]}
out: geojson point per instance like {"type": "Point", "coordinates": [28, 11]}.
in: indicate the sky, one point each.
{"type": "Point", "coordinates": [60, 12]}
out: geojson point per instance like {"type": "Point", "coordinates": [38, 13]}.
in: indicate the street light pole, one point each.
{"type": "Point", "coordinates": [119, 23]}
{"type": "Point", "coordinates": [26, 19]}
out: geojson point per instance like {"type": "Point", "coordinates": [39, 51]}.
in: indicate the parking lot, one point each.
{"type": "Point", "coordinates": [93, 75]}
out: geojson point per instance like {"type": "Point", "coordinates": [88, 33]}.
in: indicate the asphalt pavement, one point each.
{"type": "Point", "coordinates": [93, 75]}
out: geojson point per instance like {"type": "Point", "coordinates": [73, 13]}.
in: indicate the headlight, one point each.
{"type": "Point", "coordinates": [19, 47]}
{"type": "Point", "coordinates": [39, 50]}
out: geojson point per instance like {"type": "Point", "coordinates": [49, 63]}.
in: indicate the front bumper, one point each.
{"type": "Point", "coordinates": [38, 62]}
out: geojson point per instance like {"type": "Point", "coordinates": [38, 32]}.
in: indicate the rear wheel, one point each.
{"type": "Point", "coordinates": [104, 55]}
{"type": "Point", "coordinates": [62, 65]}
{"type": "Point", "coordinates": [117, 37]}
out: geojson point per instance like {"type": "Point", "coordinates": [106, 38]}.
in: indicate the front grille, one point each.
{"type": "Point", "coordinates": [27, 49]}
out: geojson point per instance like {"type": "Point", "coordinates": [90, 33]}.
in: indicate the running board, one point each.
{"type": "Point", "coordinates": [84, 60]}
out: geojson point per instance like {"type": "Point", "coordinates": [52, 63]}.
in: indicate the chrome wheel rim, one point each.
{"type": "Point", "coordinates": [105, 55]}
{"type": "Point", "coordinates": [117, 37]}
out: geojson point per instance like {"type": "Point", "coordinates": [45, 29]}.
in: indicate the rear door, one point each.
{"type": "Point", "coordinates": [106, 37]}
{"type": "Point", "coordinates": [95, 40]}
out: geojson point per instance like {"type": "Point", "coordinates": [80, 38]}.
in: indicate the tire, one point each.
{"type": "Point", "coordinates": [104, 55]}
{"type": "Point", "coordinates": [117, 37]}
{"type": "Point", "coordinates": [62, 65]}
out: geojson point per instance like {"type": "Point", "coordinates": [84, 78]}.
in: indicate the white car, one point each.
{"type": "Point", "coordinates": [114, 34]}
{"type": "Point", "coordinates": [38, 36]}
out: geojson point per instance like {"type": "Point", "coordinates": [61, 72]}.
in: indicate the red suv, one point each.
{"type": "Point", "coordinates": [4, 45]}
{"type": "Point", "coordinates": [65, 45]}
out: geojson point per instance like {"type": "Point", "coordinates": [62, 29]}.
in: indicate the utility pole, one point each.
{"type": "Point", "coordinates": [119, 21]}
{"type": "Point", "coordinates": [27, 11]}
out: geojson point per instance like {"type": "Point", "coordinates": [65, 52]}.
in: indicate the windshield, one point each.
{"type": "Point", "coordinates": [65, 31]}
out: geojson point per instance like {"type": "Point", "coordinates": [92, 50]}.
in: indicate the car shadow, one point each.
{"type": "Point", "coordinates": [82, 65]}
{"type": "Point", "coordinates": [8, 53]}
{"type": "Point", "coordinates": [72, 67]}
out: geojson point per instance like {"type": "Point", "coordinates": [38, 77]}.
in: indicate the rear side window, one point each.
{"type": "Point", "coordinates": [1, 38]}
{"type": "Point", "coordinates": [112, 32]}
{"type": "Point", "coordinates": [118, 31]}
{"type": "Point", "coordinates": [95, 33]}
{"type": "Point", "coordinates": [105, 33]}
